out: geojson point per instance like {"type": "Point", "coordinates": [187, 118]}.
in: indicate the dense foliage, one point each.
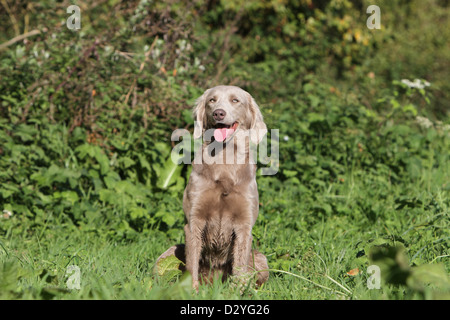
{"type": "Point", "coordinates": [86, 119]}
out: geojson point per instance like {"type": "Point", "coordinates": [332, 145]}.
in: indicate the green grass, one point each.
{"type": "Point", "coordinates": [309, 255]}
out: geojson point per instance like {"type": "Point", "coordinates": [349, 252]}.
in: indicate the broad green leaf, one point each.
{"type": "Point", "coordinates": [8, 276]}
{"type": "Point", "coordinates": [6, 193]}
{"type": "Point", "coordinates": [83, 150]}
{"type": "Point", "coordinates": [108, 196]}
{"type": "Point", "coordinates": [433, 274]}
{"type": "Point", "coordinates": [169, 267]}
{"type": "Point", "coordinates": [143, 162]}
{"type": "Point", "coordinates": [166, 216]}
{"type": "Point", "coordinates": [392, 262]}
{"type": "Point", "coordinates": [102, 159]}
{"type": "Point", "coordinates": [168, 174]}
{"type": "Point", "coordinates": [411, 108]}
{"type": "Point", "coordinates": [290, 173]}
{"type": "Point", "coordinates": [138, 212]}
{"type": "Point", "coordinates": [127, 162]}
{"type": "Point", "coordinates": [70, 196]}
{"type": "Point", "coordinates": [315, 117]}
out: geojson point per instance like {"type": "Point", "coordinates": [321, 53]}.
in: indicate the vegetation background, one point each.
{"type": "Point", "coordinates": [86, 118]}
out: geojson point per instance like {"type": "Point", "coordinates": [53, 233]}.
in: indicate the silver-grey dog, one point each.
{"type": "Point", "coordinates": [221, 199]}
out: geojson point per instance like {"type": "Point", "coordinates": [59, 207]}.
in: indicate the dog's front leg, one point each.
{"type": "Point", "coordinates": [241, 255]}
{"type": "Point", "coordinates": [194, 243]}
{"type": "Point", "coordinates": [242, 248]}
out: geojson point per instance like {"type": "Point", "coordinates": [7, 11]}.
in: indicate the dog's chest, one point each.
{"type": "Point", "coordinates": [217, 241]}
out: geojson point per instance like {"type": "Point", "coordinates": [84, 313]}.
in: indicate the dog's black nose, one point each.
{"type": "Point", "coordinates": [219, 114]}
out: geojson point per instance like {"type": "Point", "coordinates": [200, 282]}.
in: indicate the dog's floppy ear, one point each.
{"type": "Point", "coordinates": [200, 116]}
{"type": "Point", "coordinates": [258, 128]}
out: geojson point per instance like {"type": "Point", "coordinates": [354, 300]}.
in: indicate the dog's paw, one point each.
{"type": "Point", "coordinates": [195, 285]}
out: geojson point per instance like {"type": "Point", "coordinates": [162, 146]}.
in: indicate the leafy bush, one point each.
{"type": "Point", "coordinates": [86, 120]}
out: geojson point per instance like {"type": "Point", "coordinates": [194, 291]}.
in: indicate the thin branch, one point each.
{"type": "Point", "coordinates": [12, 17]}
{"type": "Point", "coordinates": [21, 37]}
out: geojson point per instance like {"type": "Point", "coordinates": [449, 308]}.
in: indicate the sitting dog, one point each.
{"type": "Point", "coordinates": [221, 198]}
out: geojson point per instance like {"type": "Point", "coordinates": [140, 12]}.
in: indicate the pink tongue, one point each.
{"type": "Point", "coordinates": [222, 134]}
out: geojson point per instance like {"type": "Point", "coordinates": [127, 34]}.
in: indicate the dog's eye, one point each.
{"type": "Point", "coordinates": [235, 100]}
{"type": "Point", "coordinates": [212, 100]}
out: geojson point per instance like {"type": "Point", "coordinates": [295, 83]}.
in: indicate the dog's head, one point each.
{"type": "Point", "coordinates": [228, 109]}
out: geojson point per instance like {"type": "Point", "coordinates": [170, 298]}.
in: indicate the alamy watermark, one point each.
{"type": "Point", "coordinates": [374, 21]}
{"type": "Point", "coordinates": [74, 277]}
{"type": "Point", "coordinates": [374, 281]}
{"type": "Point", "coordinates": [74, 21]}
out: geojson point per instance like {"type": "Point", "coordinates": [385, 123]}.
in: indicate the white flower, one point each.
{"type": "Point", "coordinates": [424, 122]}
{"type": "Point", "coordinates": [6, 214]}
{"type": "Point", "coordinates": [418, 84]}
{"type": "Point", "coordinates": [286, 138]}
{"type": "Point", "coordinates": [407, 82]}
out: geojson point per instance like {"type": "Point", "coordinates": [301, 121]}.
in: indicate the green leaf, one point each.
{"type": "Point", "coordinates": [94, 152]}
{"type": "Point", "coordinates": [26, 133]}
{"type": "Point", "coordinates": [290, 173]}
{"type": "Point", "coordinates": [83, 150]}
{"type": "Point", "coordinates": [107, 196]}
{"type": "Point", "coordinates": [167, 217]}
{"type": "Point", "coordinates": [392, 262]}
{"type": "Point", "coordinates": [8, 276]}
{"type": "Point", "coordinates": [186, 115]}
{"type": "Point", "coordinates": [6, 193]}
{"type": "Point", "coordinates": [111, 179]}
{"type": "Point", "coordinates": [168, 267]}
{"type": "Point", "coordinates": [411, 108]}
{"type": "Point", "coordinates": [168, 174]}
{"type": "Point", "coordinates": [137, 212]}
{"type": "Point", "coordinates": [425, 274]}
{"type": "Point", "coordinates": [127, 162]}
{"type": "Point", "coordinates": [70, 196]}
{"type": "Point", "coordinates": [315, 117]}
{"type": "Point", "coordinates": [120, 145]}
{"type": "Point", "coordinates": [102, 159]}
{"type": "Point", "coordinates": [143, 162]}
